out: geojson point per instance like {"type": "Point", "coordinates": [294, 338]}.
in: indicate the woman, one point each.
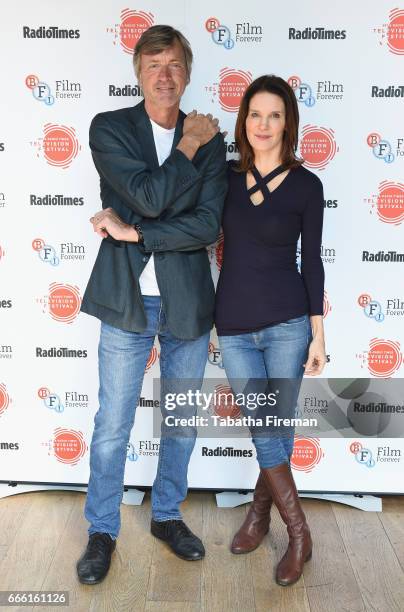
{"type": "Point", "coordinates": [268, 316]}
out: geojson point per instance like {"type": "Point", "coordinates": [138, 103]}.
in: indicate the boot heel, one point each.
{"type": "Point", "coordinates": [308, 557]}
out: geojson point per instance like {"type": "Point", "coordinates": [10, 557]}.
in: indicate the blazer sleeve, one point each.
{"type": "Point", "coordinates": [146, 192]}
{"type": "Point", "coordinates": [196, 229]}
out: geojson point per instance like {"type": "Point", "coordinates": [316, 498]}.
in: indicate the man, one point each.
{"type": "Point", "coordinates": [162, 178]}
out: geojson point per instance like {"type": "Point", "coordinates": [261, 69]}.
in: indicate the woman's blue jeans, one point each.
{"type": "Point", "coordinates": [122, 358]}
{"type": "Point", "coordinates": [269, 361]}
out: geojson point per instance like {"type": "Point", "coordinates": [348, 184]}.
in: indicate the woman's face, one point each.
{"type": "Point", "coordinates": [265, 122]}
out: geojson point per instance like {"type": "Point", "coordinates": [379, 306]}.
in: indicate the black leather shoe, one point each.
{"type": "Point", "coordinates": [180, 539]}
{"type": "Point", "coordinates": [93, 565]}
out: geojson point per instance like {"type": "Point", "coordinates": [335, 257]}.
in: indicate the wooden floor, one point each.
{"type": "Point", "coordinates": [357, 564]}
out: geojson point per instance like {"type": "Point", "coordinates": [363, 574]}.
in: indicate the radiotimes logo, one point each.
{"type": "Point", "coordinates": [324, 90]}
{"type": "Point", "coordinates": [383, 358]}
{"type": "Point", "coordinates": [327, 308]}
{"type": "Point", "coordinates": [59, 145]}
{"type": "Point", "coordinates": [318, 33]}
{"type": "Point", "coordinates": [388, 202]}
{"type": "Point", "coordinates": [392, 32]}
{"type": "Point", "coordinates": [215, 252]}
{"type": "Point", "coordinates": [71, 399]}
{"type": "Point", "coordinates": [154, 355]}
{"type": "Point", "coordinates": [49, 32]}
{"type": "Point", "coordinates": [215, 355]}
{"type": "Point", "coordinates": [307, 454]}
{"type": "Point", "coordinates": [62, 302]}
{"type": "Point", "coordinates": [125, 91]}
{"type": "Point", "coordinates": [392, 91]}
{"type": "Point", "coordinates": [230, 88]}
{"type": "Point", "coordinates": [41, 91]}
{"type": "Point", "coordinates": [383, 256]}
{"type": "Point", "coordinates": [61, 352]}
{"type": "Point", "coordinates": [5, 399]}
{"type": "Point", "coordinates": [55, 200]}
{"type": "Point", "coordinates": [317, 146]}
{"type": "Point", "coordinates": [67, 446]}
{"type": "Point", "coordinates": [372, 309]}
{"type": "Point", "coordinates": [67, 252]}
{"type": "Point", "coordinates": [221, 34]}
{"type": "Point", "coordinates": [368, 458]}
{"type": "Point", "coordinates": [384, 149]}
{"type": "Point", "coordinates": [130, 29]}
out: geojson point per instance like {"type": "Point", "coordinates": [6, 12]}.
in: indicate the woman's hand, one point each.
{"type": "Point", "coordinates": [317, 358]}
{"type": "Point", "coordinates": [107, 222]}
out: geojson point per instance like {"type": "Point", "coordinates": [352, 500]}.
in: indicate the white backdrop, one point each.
{"type": "Point", "coordinates": [63, 63]}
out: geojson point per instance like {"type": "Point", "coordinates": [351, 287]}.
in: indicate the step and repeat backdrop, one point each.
{"type": "Point", "coordinates": [64, 62]}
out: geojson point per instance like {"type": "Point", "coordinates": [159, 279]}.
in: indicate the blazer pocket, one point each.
{"type": "Point", "coordinates": [109, 280]}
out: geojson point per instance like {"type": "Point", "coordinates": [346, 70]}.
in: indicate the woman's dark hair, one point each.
{"type": "Point", "coordinates": [275, 85]}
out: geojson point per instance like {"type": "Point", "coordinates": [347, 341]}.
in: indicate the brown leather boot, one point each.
{"type": "Point", "coordinates": [256, 523]}
{"type": "Point", "coordinates": [284, 493]}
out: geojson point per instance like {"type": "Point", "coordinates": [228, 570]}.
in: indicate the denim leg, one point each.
{"type": "Point", "coordinates": [246, 372]}
{"type": "Point", "coordinates": [182, 366]}
{"type": "Point", "coordinates": [122, 360]}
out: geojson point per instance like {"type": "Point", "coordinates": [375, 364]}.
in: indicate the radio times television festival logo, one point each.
{"type": "Point", "coordinates": [324, 90]}
{"type": "Point", "coordinates": [71, 399]}
{"type": "Point", "coordinates": [152, 359]}
{"type": "Point", "coordinates": [307, 454]}
{"type": "Point", "coordinates": [62, 302]}
{"type": "Point", "coordinates": [391, 33]}
{"type": "Point", "coordinates": [230, 88]}
{"type": "Point", "coordinates": [223, 403]}
{"type": "Point", "coordinates": [41, 91]}
{"type": "Point", "coordinates": [372, 309]}
{"type": "Point", "coordinates": [327, 308]}
{"type": "Point", "coordinates": [383, 358]}
{"type": "Point", "coordinates": [368, 458]}
{"type": "Point", "coordinates": [5, 400]}
{"type": "Point", "coordinates": [67, 445]}
{"type": "Point", "coordinates": [388, 202]}
{"type": "Point", "coordinates": [2, 253]}
{"type": "Point", "coordinates": [317, 146]}
{"type": "Point", "coordinates": [59, 145]}
{"type": "Point", "coordinates": [68, 251]}
{"type": "Point", "coordinates": [129, 30]}
{"type": "Point", "coordinates": [221, 34]}
{"type": "Point", "coordinates": [384, 149]}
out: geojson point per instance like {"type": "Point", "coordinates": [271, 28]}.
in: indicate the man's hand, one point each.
{"type": "Point", "coordinates": [198, 130]}
{"type": "Point", "coordinates": [107, 222]}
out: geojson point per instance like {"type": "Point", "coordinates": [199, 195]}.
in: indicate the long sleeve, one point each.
{"type": "Point", "coordinates": [311, 235]}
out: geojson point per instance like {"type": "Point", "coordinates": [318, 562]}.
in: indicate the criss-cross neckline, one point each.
{"type": "Point", "coordinates": [261, 182]}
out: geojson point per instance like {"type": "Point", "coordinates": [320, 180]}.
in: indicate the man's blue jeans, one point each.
{"type": "Point", "coordinates": [252, 362]}
{"type": "Point", "coordinates": [122, 358]}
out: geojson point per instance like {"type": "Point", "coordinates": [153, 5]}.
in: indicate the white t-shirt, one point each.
{"type": "Point", "coordinates": [163, 139]}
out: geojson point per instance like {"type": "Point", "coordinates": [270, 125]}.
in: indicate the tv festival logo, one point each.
{"type": "Point", "coordinates": [307, 454]}
{"type": "Point", "coordinates": [368, 458]}
{"type": "Point", "coordinates": [67, 446]}
{"type": "Point", "coordinates": [383, 358]}
{"type": "Point", "coordinates": [223, 403]}
{"type": "Point", "coordinates": [325, 90]}
{"type": "Point", "coordinates": [317, 146]}
{"type": "Point", "coordinates": [327, 308]}
{"type": "Point", "coordinates": [59, 145]}
{"type": "Point", "coordinates": [216, 252]}
{"type": "Point", "coordinates": [154, 355]}
{"type": "Point", "coordinates": [132, 26]}
{"type": "Point", "coordinates": [388, 202]}
{"type": "Point", "coordinates": [41, 91]}
{"type": "Point", "coordinates": [230, 88]}
{"type": "Point", "coordinates": [392, 32]}
{"type": "Point", "coordinates": [373, 309]}
{"type": "Point", "coordinates": [2, 253]}
{"type": "Point", "coordinates": [62, 302]}
{"type": "Point", "coordinates": [5, 399]}
{"type": "Point", "coordinates": [67, 252]}
{"type": "Point", "coordinates": [221, 35]}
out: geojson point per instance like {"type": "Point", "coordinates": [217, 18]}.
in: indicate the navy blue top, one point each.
{"type": "Point", "coordinates": [259, 282]}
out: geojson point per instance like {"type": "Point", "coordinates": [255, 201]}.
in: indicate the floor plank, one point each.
{"type": "Point", "coordinates": [392, 519]}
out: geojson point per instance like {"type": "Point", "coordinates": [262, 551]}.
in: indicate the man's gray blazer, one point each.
{"type": "Point", "coordinates": [178, 205]}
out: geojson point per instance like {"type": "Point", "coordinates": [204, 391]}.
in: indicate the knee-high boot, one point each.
{"type": "Point", "coordinates": [256, 523]}
{"type": "Point", "coordinates": [284, 493]}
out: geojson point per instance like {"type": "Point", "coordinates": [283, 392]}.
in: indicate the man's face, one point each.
{"type": "Point", "coordinates": [163, 77]}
